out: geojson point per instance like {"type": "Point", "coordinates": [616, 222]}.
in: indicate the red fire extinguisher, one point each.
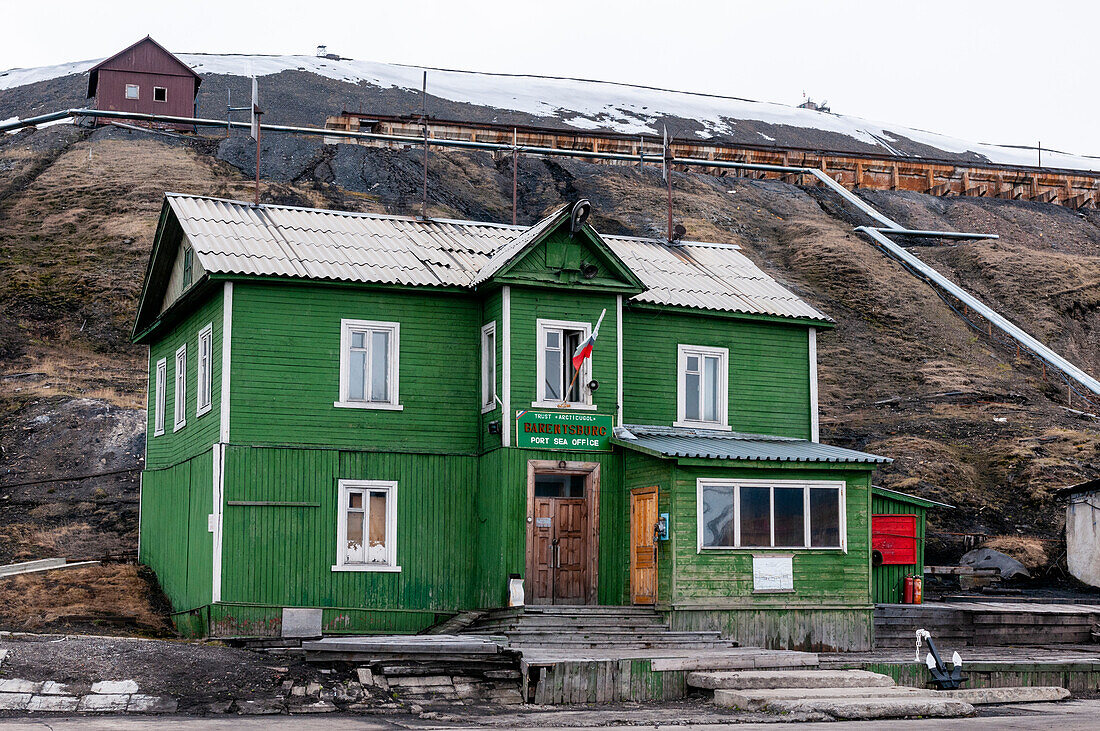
{"type": "Point", "coordinates": [918, 589]}
{"type": "Point", "coordinates": [907, 594]}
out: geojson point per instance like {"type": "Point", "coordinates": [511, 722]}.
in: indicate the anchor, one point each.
{"type": "Point", "coordinates": [941, 677]}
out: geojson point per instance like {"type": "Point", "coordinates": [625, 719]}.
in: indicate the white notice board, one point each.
{"type": "Point", "coordinates": [773, 573]}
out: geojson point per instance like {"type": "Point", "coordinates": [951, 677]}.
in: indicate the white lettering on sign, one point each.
{"type": "Point", "coordinates": [772, 573]}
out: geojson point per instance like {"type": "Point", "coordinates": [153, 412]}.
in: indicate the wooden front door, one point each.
{"type": "Point", "coordinates": [643, 546]}
{"type": "Point", "coordinates": [562, 545]}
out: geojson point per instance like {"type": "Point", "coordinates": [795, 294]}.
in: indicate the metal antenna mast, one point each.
{"type": "Point", "coordinates": [668, 179]}
{"type": "Point", "coordinates": [515, 166]}
{"type": "Point", "coordinates": [424, 124]}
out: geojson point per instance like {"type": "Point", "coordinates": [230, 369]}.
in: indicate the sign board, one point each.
{"type": "Point", "coordinates": [895, 537]}
{"type": "Point", "coordinates": [772, 573]}
{"type": "Point", "coordinates": [575, 431]}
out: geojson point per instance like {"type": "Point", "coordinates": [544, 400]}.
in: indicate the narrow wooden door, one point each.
{"type": "Point", "coordinates": [543, 553]}
{"type": "Point", "coordinates": [643, 546]}
{"type": "Point", "coordinates": [571, 565]}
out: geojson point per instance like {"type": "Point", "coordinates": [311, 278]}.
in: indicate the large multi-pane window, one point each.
{"type": "Point", "coordinates": [557, 380]}
{"type": "Point", "coordinates": [367, 527]}
{"type": "Point", "coordinates": [702, 377]}
{"type": "Point", "coordinates": [771, 514]}
{"type": "Point", "coordinates": [369, 364]}
{"type": "Point", "coordinates": [203, 370]}
{"type": "Point", "coordinates": [489, 367]}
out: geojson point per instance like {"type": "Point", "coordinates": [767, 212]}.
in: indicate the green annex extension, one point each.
{"type": "Point", "coordinates": [387, 419]}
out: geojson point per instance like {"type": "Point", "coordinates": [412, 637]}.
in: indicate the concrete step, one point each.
{"type": "Point", "coordinates": [993, 696]}
{"type": "Point", "coordinates": [741, 659]}
{"type": "Point", "coordinates": [767, 679]}
{"type": "Point", "coordinates": [865, 709]}
{"type": "Point", "coordinates": [513, 626]}
{"type": "Point", "coordinates": [757, 699]}
{"type": "Point", "coordinates": [594, 645]}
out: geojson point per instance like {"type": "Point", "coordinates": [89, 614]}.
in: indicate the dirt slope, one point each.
{"type": "Point", "coordinates": [902, 374]}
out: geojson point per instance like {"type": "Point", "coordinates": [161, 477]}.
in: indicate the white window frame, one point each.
{"type": "Point", "coordinates": [488, 367]}
{"type": "Point", "coordinates": [179, 389]}
{"type": "Point", "coordinates": [584, 377]}
{"type": "Point", "coordinates": [343, 488]}
{"type": "Point", "coordinates": [165, 90]}
{"type": "Point", "coordinates": [347, 327]}
{"type": "Point", "coordinates": [204, 371]}
{"type": "Point", "coordinates": [736, 484]}
{"type": "Point", "coordinates": [137, 92]}
{"type": "Point", "coordinates": [701, 351]}
{"type": "Point", "coordinates": [159, 390]}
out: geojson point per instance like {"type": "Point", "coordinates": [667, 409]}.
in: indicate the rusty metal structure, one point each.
{"type": "Point", "coordinates": [852, 169]}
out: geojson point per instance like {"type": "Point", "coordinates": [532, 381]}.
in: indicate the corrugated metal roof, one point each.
{"type": "Point", "coordinates": [234, 237]}
{"type": "Point", "coordinates": [711, 444]}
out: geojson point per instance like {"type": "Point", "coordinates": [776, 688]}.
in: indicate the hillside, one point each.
{"type": "Point", "coordinates": [902, 374]}
{"type": "Point", "coordinates": [303, 90]}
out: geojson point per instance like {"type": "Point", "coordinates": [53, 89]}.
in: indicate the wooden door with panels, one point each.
{"type": "Point", "coordinates": [643, 545]}
{"type": "Point", "coordinates": [562, 540]}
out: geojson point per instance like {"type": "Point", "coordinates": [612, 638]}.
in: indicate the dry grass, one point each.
{"type": "Point", "coordinates": [1028, 551]}
{"type": "Point", "coordinates": [86, 595]}
{"type": "Point", "coordinates": [29, 542]}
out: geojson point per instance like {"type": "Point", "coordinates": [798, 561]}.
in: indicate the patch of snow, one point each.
{"type": "Point", "coordinates": [584, 104]}
{"type": "Point", "coordinates": [769, 139]}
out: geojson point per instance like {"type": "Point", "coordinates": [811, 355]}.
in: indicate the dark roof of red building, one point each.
{"type": "Point", "coordinates": [173, 68]}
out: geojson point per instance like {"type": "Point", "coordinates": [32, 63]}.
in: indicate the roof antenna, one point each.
{"type": "Point", "coordinates": [256, 112]}
{"type": "Point", "coordinates": [424, 124]}
{"type": "Point", "coordinates": [668, 179]}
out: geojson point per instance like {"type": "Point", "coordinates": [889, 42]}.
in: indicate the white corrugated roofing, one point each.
{"type": "Point", "coordinates": [233, 237]}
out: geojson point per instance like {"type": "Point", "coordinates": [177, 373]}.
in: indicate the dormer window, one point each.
{"type": "Point", "coordinates": [558, 382]}
{"type": "Point", "coordinates": [188, 266]}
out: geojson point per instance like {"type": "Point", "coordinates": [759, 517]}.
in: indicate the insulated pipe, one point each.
{"type": "Point", "coordinates": [996, 320]}
{"type": "Point", "coordinates": [936, 234]}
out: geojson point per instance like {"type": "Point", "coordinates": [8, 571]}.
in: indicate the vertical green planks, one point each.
{"type": "Point", "coordinates": [887, 581]}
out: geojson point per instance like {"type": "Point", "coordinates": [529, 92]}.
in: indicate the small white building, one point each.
{"type": "Point", "coordinates": [1083, 530]}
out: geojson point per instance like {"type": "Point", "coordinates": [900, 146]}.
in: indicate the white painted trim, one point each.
{"type": "Point", "coordinates": [218, 458]}
{"type": "Point", "coordinates": [204, 374]}
{"type": "Point", "coordinates": [506, 344]}
{"type": "Point", "coordinates": [488, 400]}
{"type": "Point", "coordinates": [342, 488]}
{"type": "Point", "coordinates": [619, 357]}
{"type": "Point", "coordinates": [227, 343]}
{"type": "Point", "coordinates": [179, 389]}
{"type": "Point", "coordinates": [160, 397]}
{"type": "Point", "coordinates": [815, 419]}
{"type": "Point", "coordinates": [682, 352]}
{"type": "Point", "coordinates": [839, 485]}
{"type": "Point", "coordinates": [393, 395]}
{"type": "Point", "coordinates": [541, 328]}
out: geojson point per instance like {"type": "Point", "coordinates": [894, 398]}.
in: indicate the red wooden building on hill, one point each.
{"type": "Point", "coordinates": [144, 78]}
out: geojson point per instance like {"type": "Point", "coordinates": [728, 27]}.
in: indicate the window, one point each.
{"type": "Point", "coordinates": [203, 370]}
{"type": "Point", "coordinates": [188, 265]}
{"type": "Point", "coordinates": [133, 91]}
{"type": "Point", "coordinates": [180, 403]}
{"type": "Point", "coordinates": [488, 367]}
{"type": "Point", "coordinates": [702, 374]}
{"type": "Point", "coordinates": [367, 531]}
{"type": "Point", "coordinates": [160, 94]}
{"type": "Point", "coordinates": [158, 398]}
{"type": "Point", "coordinates": [771, 514]}
{"type": "Point", "coordinates": [369, 364]}
{"type": "Point", "coordinates": [558, 381]}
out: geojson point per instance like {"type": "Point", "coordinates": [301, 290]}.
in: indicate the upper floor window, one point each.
{"type": "Point", "coordinates": [180, 402]}
{"type": "Point", "coordinates": [489, 367]}
{"type": "Point", "coordinates": [702, 376]}
{"type": "Point", "coordinates": [557, 381]}
{"type": "Point", "coordinates": [369, 364]}
{"type": "Point", "coordinates": [203, 370]}
{"type": "Point", "coordinates": [160, 94]}
{"type": "Point", "coordinates": [367, 528]}
{"type": "Point", "coordinates": [133, 91]}
{"type": "Point", "coordinates": [771, 514]}
{"type": "Point", "coordinates": [188, 265]}
{"type": "Point", "coordinates": [158, 396]}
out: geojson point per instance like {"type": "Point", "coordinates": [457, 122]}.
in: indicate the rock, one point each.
{"type": "Point", "coordinates": [14, 701]}
{"type": "Point", "coordinates": [262, 707]}
{"type": "Point", "coordinates": [987, 558]}
{"type": "Point", "coordinates": [313, 689]}
{"type": "Point", "coordinates": [318, 707]}
{"type": "Point", "coordinates": [114, 687]}
{"type": "Point", "coordinates": [52, 688]}
{"type": "Point", "coordinates": [53, 703]}
{"type": "Point", "coordinates": [104, 702]}
{"type": "Point", "coordinates": [219, 707]}
{"type": "Point", "coordinates": [151, 704]}
{"type": "Point", "coordinates": [366, 676]}
{"type": "Point", "coordinates": [15, 685]}
{"type": "Point", "coordinates": [298, 690]}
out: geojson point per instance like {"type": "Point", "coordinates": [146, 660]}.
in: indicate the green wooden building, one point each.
{"type": "Point", "coordinates": [380, 417]}
{"type": "Point", "coordinates": [899, 529]}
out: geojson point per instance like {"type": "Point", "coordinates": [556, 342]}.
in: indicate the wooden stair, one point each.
{"type": "Point", "coordinates": [591, 627]}
{"type": "Point", "coordinates": [961, 624]}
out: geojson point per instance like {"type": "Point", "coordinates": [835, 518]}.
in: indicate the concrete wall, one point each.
{"type": "Point", "coordinates": [1083, 537]}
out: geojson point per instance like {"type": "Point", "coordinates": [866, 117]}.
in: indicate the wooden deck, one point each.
{"type": "Point", "coordinates": [993, 623]}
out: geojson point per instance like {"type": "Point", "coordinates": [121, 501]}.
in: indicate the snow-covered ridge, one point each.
{"type": "Point", "coordinates": [582, 104]}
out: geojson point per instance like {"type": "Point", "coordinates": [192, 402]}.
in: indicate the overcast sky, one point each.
{"type": "Point", "coordinates": [1008, 72]}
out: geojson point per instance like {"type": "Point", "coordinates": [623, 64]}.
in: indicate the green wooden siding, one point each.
{"type": "Point", "coordinates": [798, 628]}
{"type": "Point", "coordinates": [641, 470]}
{"type": "Point", "coordinates": [286, 368]}
{"type": "Point", "coordinates": [200, 432]}
{"type": "Point", "coordinates": [175, 541]}
{"type": "Point", "coordinates": [491, 312]}
{"type": "Point", "coordinates": [887, 581]}
{"type": "Point", "coordinates": [769, 376]}
{"type": "Point", "coordinates": [723, 578]}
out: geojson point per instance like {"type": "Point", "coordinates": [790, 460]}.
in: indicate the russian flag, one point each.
{"type": "Point", "coordinates": [584, 350]}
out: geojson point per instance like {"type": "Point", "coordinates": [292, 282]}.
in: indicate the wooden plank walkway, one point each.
{"type": "Point", "coordinates": [994, 623]}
